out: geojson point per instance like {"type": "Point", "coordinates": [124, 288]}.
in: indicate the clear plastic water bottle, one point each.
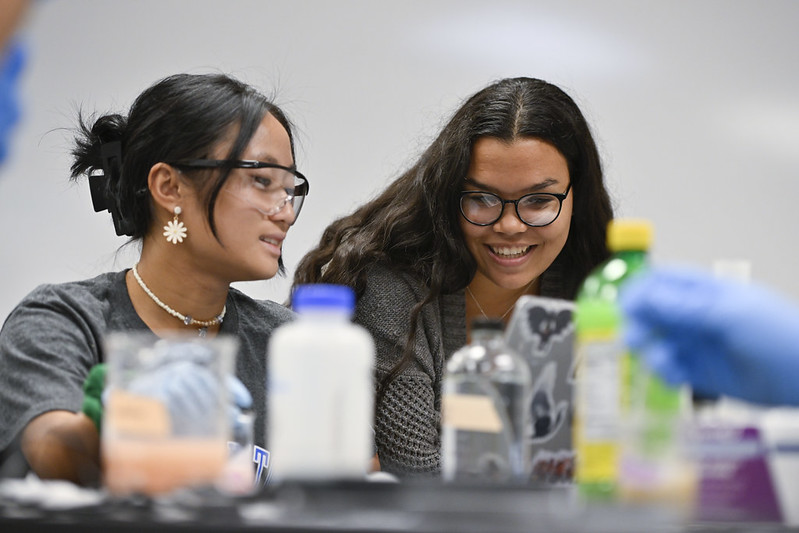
{"type": "Point", "coordinates": [321, 394]}
{"type": "Point", "coordinates": [485, 397]}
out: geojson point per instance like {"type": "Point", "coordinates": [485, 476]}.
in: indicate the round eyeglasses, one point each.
{"type": "Point", "coordinates": [536, 210]}
{"type": "Point", "coordinates": [268, 191]}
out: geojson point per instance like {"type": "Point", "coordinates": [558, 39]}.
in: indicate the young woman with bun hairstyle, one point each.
{"type": "Point", "coordinates": [200, 173]}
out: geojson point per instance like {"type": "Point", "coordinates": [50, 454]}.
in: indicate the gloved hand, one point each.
{"type": "Point", "coordinates": [12, 61]}
{"type": "Point", "coordinates": [720, 336]}
{"type": "Point", "coordinates": [92, 395]}
{"type": "Point", "coordinates": [241, 404]}
{"type": "Point", "coordinates": [188, 390]}
{"type": "Point", "coordinates": [183, 382]}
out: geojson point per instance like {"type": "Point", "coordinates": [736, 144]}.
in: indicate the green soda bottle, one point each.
{"type": "Point", "coordinates": [610, 384]}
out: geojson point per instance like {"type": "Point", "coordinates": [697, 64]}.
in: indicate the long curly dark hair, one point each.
{"type": "Point", "coordinates": [414, 226]}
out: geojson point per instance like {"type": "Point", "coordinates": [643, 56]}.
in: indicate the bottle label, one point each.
{"type": "Point", "coordinates": [479, 443]}
{"type": "Point", "coordinates": [599, 400]}
{"type": "Point", "coordinates": [470, 412]}
{"type": "Point", "coordinates": [600, 382]}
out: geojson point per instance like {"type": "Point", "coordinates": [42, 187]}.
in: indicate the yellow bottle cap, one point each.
{"type": "Point", "coordinates": [629, 234]}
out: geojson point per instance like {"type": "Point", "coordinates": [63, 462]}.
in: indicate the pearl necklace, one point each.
{"type": "Point", "coordinates": [480, 307]}
{"type": "Point", "coordinates": [186, 319]}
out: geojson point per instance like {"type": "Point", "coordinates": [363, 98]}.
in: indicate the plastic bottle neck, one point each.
{"type": "Point", "coordinates": [484, 336]}
{"type": "Point", "coordinates": [327, 314]}
{"type": "Point", "coordinates": [630, 253]}
{"type": "Point", "coordinates": [634, 259]}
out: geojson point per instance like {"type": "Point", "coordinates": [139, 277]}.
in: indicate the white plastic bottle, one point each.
{"type": "Point", "coordinates": [320, 394]}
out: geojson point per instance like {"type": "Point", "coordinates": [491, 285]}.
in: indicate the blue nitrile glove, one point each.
{"type": "Point", "coordinates": [182, 381]}
{"type": "Point", "coordinates": [718, 335]}
{"type": "Point", "coordinates": [12, 60]}
{"type": "Point", "coordinates": [241, 401]}
{"type": "Point", "coordinates": [188, 391]}
{"type": "Point", "coordinates": [93, 395]}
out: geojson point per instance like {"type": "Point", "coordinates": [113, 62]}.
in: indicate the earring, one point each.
{"type": "Point", "coordinates": [175, 231]}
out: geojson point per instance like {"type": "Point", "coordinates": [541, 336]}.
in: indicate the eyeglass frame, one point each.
{"type": "Point", "coordinates": [248, 164]}
{"type": "Point", "coordinates": [559, 196]}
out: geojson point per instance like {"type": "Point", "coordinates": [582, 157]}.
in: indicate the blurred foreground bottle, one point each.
{"type": "Point", "coordinates": [486, 391]}
{"type": "Point", "coordinates": [628, 427]}
{"type": "Point", "coordinates": [321, 395]}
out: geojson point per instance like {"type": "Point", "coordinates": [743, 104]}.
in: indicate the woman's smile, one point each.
{"type": "Point", "coordinates": [509, 252]}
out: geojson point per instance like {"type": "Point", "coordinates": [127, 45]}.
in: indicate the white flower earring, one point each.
{"type": "Point", "coordinates": [175, 231]}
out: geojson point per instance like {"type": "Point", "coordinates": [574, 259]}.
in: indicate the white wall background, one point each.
{"type": "Point", "coordinates": [694, 103]}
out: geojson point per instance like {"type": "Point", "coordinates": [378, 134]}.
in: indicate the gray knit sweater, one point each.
{"type": "Point", "coordinates": [408, 419]}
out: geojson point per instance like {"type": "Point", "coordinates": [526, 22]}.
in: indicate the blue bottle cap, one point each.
{"type": "Point", "coordinates": [323, 296]}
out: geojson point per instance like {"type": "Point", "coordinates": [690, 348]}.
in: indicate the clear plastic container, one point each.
{"type": "Point", "coordinates": [165, 420]}
{"type": "Point", "coordinates": [485, 410]}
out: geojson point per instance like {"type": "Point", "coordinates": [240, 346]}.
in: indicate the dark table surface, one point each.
{"type": "Point", "coordinates": [352, 506]}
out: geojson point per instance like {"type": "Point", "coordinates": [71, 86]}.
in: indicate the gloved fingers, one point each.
{"type": "Point", "coordinates": [95, 380]}
{"type": "Point", "coordinates": [240, 418]}
{"type": "Point", "coordinates": [169, 354]}
{"type": "Point", "coordinates": [636, 333]}
{"type": "Point", "coordinates": [11, 64]}
{"type": "Point", "coordinates": [13, 59]}
{"type": "Point", "coordinates": [154, 380]}
{"type": "Point", "coordinates": [93, 387]}
{"type": "Point", "coordinates": [187, 390]}
{"type": "Point", "coordinates": [92, 408]}
{"type": "Point", "coordinates": [669, 353]}
{"type": "Point", "coordinates": [193, 391]}
{"type": "Point", "coordinates": [670, 298]}
{"type": "Point", "coordinates": [241, 397]}
{"type": "Point", "coordinates": [181, 402]}
{"type": "Point", "coordinates": [719, 335]}
{"type": "Point", "coordinates": [192, 400]}
{"type": "Point", "coordinates": [706, 366]}
{"type": "Point", "coordinates": [664, 360]}
{"type": "Point", "coordinates": [233, 415]}
{"type": "Point", "coordinates": [241, 424]}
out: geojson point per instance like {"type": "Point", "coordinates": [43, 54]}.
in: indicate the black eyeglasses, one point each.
{"type": "Point", "coordinates": [536, 210]}
{"type": "Point", "coordinates": [260, 191]}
